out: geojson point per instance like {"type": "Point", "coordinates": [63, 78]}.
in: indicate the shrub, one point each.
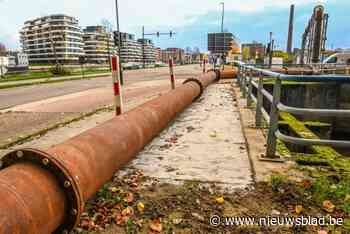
{"type": "Point", "coordinates": [59, 70]}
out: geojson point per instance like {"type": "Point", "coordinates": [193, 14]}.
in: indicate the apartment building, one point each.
{"type": "Point", "coordinates": [254, 50]}
{"type": "Point", "coordinates": [158, 54]}
{"type": "Point", "coordinates": [148, 50]}
{"type": "Point", "coordinates": [98, 44]}
{"type": "Point", "coordinates": [52, 39]}
{"type": "Point", "coordinates": [177, 54]}
{"type": "Point", "coordinates": [130, 50]}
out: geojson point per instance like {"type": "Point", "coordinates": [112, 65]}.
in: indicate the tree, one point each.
{"type": "Point", "coordinates": [2, 49]}
{"type": "Point", "coordinates": [246, 53]}
{"type": "Point", "coordinates": [109, 32]}
{"type": "Point", "coordinates": [287, 58]}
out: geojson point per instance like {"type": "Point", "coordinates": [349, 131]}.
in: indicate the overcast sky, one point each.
{"type": "Point", "coordinates": [191, 19]}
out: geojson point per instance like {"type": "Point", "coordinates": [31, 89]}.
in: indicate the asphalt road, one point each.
{"type": "Point", "coordinates": [21, 95]}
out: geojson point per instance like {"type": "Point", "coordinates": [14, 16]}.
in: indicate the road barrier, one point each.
{"type": "Point", "coordinates": [118, 97]}
{"type": "Point", "coordinates": [45, 191]}
{"type": "Point", "coordinates": [172, 76]}
{"type": "Point", "coordinates": [247, 81]}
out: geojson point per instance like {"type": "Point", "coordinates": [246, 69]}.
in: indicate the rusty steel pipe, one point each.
{"type": "Point", "coordinates": [45, 191]}
{"type": "Point", "coordinates": [228, 74]}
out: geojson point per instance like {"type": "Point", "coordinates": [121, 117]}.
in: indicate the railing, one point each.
{"type": "Point", "coordinates": [246, 81]}
{"type": "Point", "coordinates": [319, 68]}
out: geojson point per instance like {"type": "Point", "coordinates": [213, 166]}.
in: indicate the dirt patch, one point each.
{"type": "Point", "coordinates": [134, 203]}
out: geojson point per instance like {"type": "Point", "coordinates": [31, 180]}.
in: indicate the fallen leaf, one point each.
{"type": "Point", "coordinates": [140, 207]}
{"type": "Point", "coordinates": [328, 206]}
{"type": "Point", "coordinates": [176, 221]}
{"type": "Point", "coordinates": [113, 189]}
{"type": "Point", "coordinates": [306, 184]}
{"type": "Point", "coordinates": [220, 200]}
{"type": "Point", "coordinates": [129, 197]}
{"type": "Point", "coordinates": [298, 209]}
{"type": "Point", "coordinates": [128, 211]}
{"type": "Point", "coordinates": [198, 216]}
{"type": "Point", "coordinates": [347, 198]}
{"type": "Point", "coordinates": [139, 222]}
{"type": "Point", "coordinates": [156, 225]}
{"type": "Point", "coordinates": [120, 219]}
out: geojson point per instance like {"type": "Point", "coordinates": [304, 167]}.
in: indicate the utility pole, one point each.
{"type": "Point", "coordinates": [271, 50]}
{"type": "Point", "coordinates": [222, 31]}
{"type": "Point", "coordinates": [143, 47]}
{"type": "Point", "coordinates": [222, 16]}
{"type": "Point", "coordinates": [290, 30]}
{"type": "Point", "coordinates": [119, 45]}
{"type": "Point", "coordinates": [158, 34]}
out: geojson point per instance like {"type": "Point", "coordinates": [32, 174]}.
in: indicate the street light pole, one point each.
{"type": "Point", "coordinates": [222, 17]}
{"type": "Point", "coordinates": [222, 31]}
{"type": "Point", "coordinates": [143, 48]}
{"type": "Point", "coordinates": [271, 50]}
{"type": "Point", "coordinates": [119, 44]}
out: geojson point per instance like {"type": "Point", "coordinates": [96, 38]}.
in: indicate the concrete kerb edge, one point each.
{"type": "Point", "coordinates": [54, 126]}
{"type": "Point", "coordinates": [251, 162]}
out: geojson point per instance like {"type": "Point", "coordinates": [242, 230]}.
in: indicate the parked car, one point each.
{"type": "Point", "coordinates": [338, 58]}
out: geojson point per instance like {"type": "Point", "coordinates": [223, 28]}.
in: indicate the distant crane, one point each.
{"type": "Point", "coordinates": [315, 36]}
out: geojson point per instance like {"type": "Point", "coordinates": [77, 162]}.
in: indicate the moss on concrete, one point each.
{"type": "Point", "coordinates": [322, 155]}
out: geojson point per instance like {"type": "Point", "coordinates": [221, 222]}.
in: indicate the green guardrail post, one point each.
{"type": "Point", "coordinates": [274, 114]}
{"type": "Point", "coordinates": [250, 88]}
{"type": "Point", "coordinates": [259, 104]}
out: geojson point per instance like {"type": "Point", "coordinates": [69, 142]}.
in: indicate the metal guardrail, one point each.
{"type": "Point", "coordinates": [247, 81]}
{"type": "Point", "coordinates": [319, 68]}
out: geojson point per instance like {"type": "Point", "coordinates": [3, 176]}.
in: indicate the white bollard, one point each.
{"type": "Point", "coordinates": [172, 76]}
{"type": "Point", "coordinates": [116, 86]}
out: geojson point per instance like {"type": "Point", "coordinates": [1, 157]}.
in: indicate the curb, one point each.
{"type": "Point", "coordinates": [54, 126]}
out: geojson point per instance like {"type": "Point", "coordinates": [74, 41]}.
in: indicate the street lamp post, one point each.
{"type": "Point", "coordinates": [222, 31]}
{"type": "Point", "coordinates": [119, 44]}
{"type": "Point", "coordinates": [271, 50]}
{"type": "Point", "coordinates": [222, 16]}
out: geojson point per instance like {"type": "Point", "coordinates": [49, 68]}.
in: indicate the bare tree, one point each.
{"type": "Point", "coordinates": [2, 65]}
{"type": "Point", "coordinates": [2, 49]}
{"type": "Point", "coordinates": [109, 31]}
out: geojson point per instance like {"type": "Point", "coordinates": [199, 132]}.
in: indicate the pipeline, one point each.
{"type": "Point", "coordinates": [226, 74]}
{"type": "Point", "coordinates": [45, 191]}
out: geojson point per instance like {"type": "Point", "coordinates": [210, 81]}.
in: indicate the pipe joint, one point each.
{"type": "Point", "coordinates": [66, 181]}
{"type": "Point", "coordinates": [199, 84]}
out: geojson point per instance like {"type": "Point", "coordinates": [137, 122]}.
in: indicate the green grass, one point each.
{"type": "Point", "coordinates": [32, 75]}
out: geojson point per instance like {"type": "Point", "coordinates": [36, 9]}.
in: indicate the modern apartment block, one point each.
{"type": "Point", "coordinates": [98, 44]}
{"type": "Point", "coordinates": [51, 39]}
{"type": "Point", "coordinates": [158, 54]}
{"type": "Point", "coordinates": [148, 51]}
{"type": "Point", "coordinates": [130, 50]}
{"type": "Point", "coordinates": [220, 43]}
{"type": "Point", "coordinates": [177, 54]}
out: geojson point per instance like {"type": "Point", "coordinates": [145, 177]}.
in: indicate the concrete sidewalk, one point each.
{"type": "Point", "coordinates": [205, 143]}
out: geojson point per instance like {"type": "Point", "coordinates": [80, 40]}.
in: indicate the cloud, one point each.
{"type": "Point", "coordinates": [181, 15]}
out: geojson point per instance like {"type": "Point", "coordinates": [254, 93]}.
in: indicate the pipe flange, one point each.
{"type": "Point", "coordinates": [65, 179]}
{"type": "Point", "coordinates": [200, 87]}
{"type": "Point", "coordinates": [218, 74]}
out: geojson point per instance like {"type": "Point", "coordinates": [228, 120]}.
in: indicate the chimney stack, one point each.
{"type": "Point", "coordinates": [290, 30]}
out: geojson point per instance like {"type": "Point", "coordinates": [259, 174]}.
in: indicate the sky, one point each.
{"type": "Point", "coordinates": [191, 19]}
